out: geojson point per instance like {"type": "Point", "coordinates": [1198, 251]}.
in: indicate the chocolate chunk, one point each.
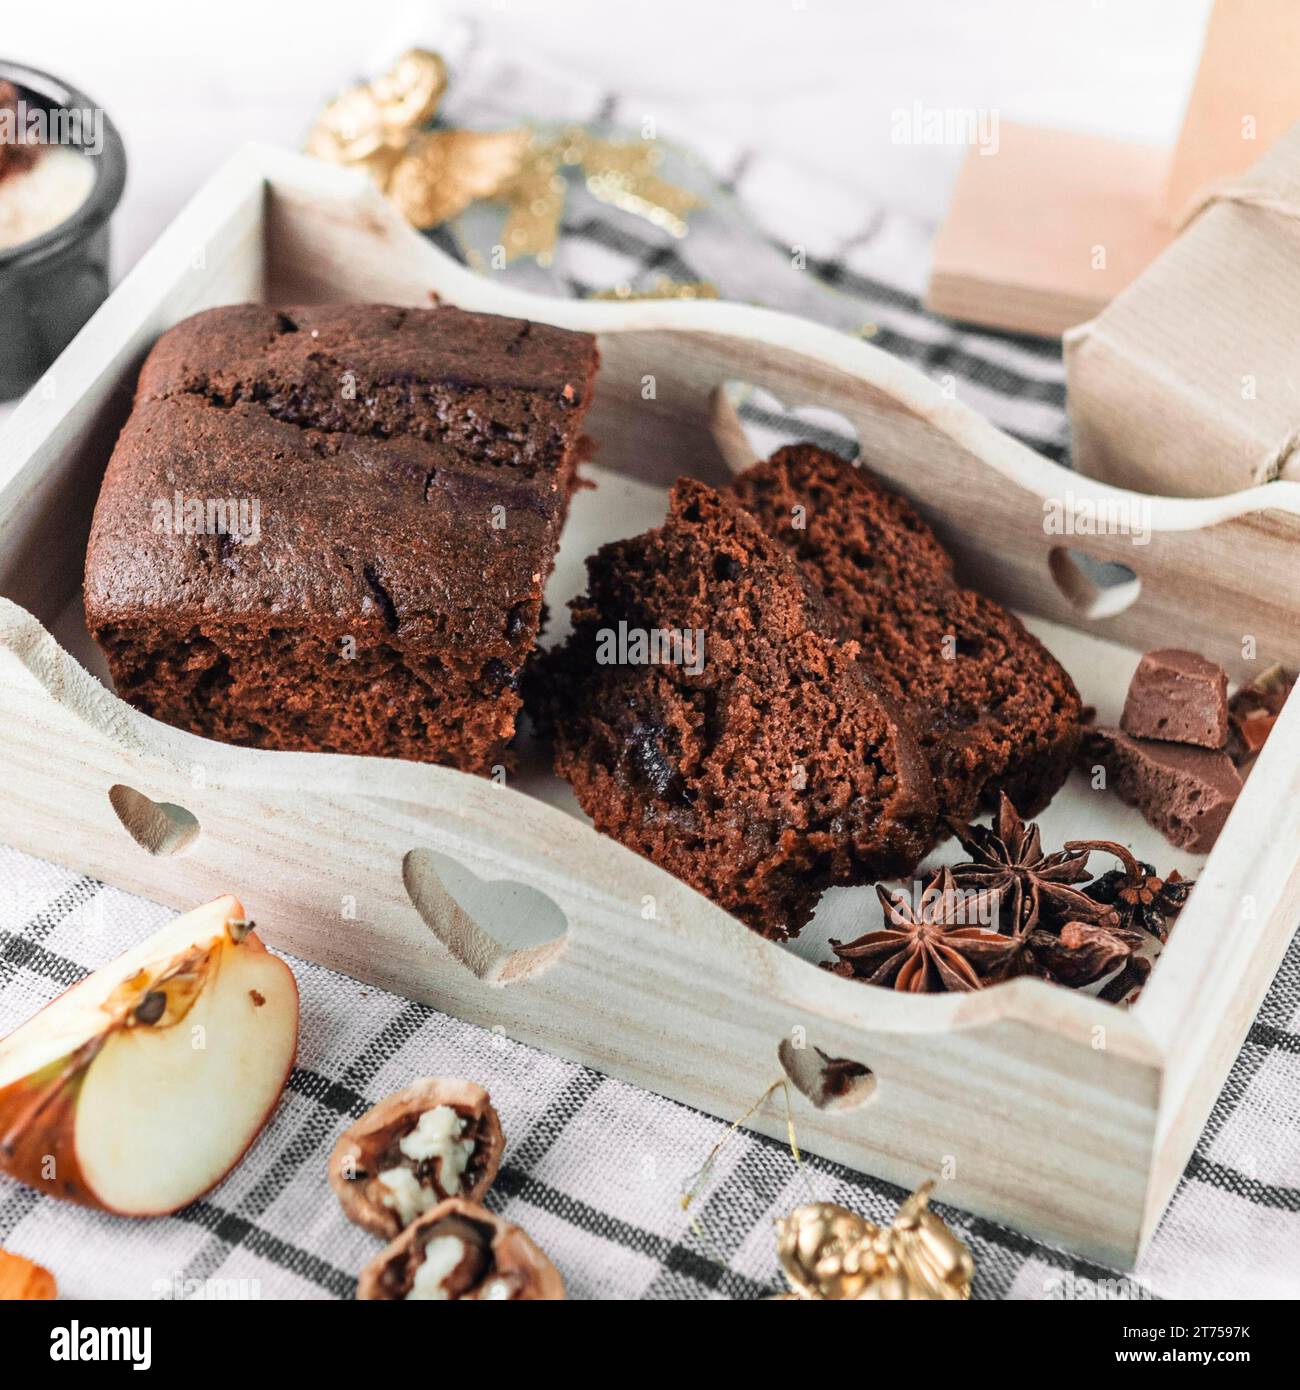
{"type": "Point", "coordinates": [1186, 793]}
{"type": "Point", "coordinates": [646, 748]}
{"type": "Point", "coordinates": [1178, 696]}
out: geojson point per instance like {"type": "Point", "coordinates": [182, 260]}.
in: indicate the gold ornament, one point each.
{"type": "Point", "coordinates": [535, 203]}
{"type": "Point", "coordinates": [410, 91]}
{"type": "Point", "coordinates": [433, 176]}
{"type": "Point", "coordinates": [349, 130]}
{"type": "Point", "coordinates": [444, 171]}
{"type": "Point", "coordinates": [821, 1247]}
{"type": "Point", "coordinates": [383, 114]}
{"type": "Point", "coordinates": [663, 288]}
{"type": "Point", "coordinates": [829, 1252]}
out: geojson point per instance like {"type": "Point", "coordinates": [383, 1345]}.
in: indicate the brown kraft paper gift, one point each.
{"type": "Point", "coordinates": [1188, 383]}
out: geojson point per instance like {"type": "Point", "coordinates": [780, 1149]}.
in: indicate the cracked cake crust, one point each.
{"type": "Point", "coordinates": [393, 588]}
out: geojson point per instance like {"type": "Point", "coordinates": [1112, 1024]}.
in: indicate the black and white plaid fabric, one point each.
{"type": "Point", "coordinates": [594, 1168]}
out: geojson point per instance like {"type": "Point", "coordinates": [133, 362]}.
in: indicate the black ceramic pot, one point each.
{"type": "Point", "coordinates": [50, 285]}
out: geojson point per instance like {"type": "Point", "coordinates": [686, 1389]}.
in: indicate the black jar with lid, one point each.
{"type": "Point", "coordinates": [51, 284]}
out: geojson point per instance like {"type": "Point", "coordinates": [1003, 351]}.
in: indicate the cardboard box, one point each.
{"type": "Point", "coordinates": [1245, 97]}
{"type": "Point", "coordinates": [1188, 383]}
{"type": "Point", "coordinates": [1041, 236]}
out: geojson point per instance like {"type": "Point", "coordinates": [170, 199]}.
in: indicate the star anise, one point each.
{"type": "Point", "coordinates": [1127, 985]}
{"type": "Point", "coordinates": [1058, 931]}
{"type": "Point", "coordinates": [929, 948]}
{"type": "Point", "coordinates": [1087, 951]}
{"type": "Point", "coordinates": [1139, 897]}
{"type": "Point", "coordinates": [1031, 885]}
{"type": "Point", "coordinates": [1066, 952]}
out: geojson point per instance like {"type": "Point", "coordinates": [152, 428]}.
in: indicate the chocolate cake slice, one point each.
{"type": "Point", "coordinates": [709, 715]}
{"type": "Point", "coordinates": [993, 710]}
{"type": "Point", "coordinates": [329, 528]}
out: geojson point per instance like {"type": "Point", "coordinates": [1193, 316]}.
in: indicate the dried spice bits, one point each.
{"type": "Point", "coordinates": [1253, 711]}
{"type": "Point", "coordinates": [1141, 899]}
{"type": "Point", "coordinates": [1052, 923]}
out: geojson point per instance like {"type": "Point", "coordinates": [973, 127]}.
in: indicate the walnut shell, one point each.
{"type": "Point", "coordinates": [496, 1254]}
{"type": "Point", "coordinates": [357, 1157]}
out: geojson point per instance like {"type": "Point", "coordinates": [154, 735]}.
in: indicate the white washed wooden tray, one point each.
{"type": "Point", "coordinates": [1040, 1107]}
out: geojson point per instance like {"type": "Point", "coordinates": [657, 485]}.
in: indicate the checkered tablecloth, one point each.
{"type": "Point", "coordinates": [594, 1168]}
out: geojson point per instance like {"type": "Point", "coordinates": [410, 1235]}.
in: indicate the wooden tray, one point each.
{"type": "Point", "coordinates": [1040, 1107]}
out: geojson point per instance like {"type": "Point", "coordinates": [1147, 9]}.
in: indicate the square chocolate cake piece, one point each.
{"type": "Point", "coordinates": [993, 709]}
{"type": "Point", "coordinates": [709, 716]}
{"type": "Point", "coordinates": [329, 528]}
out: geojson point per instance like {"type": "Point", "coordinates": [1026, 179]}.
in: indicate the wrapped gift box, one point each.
{"type": "Point", "coordinates": [1188, 382]}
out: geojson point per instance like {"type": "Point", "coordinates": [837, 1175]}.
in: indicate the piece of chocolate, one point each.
{"type": "Point", "coordinates": [1185, 792]}
{"type": "Point", "coordinates": [1253, 711]}
{"type": "Point", "coordinates": [1178, 696]}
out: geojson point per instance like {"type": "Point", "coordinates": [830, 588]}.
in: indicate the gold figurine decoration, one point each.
{"type": "Point", "coordinates": [432, 176]}
{"type": "Point", "coordinates": [829, 1252]}
{"type": "Point", "coordinates": [371, 125]}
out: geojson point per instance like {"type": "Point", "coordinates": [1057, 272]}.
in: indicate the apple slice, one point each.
{"type": "Point", "coordinates": [141, 1087]}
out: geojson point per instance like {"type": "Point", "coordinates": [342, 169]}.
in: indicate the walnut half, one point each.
{"type": "Point", "coordinates": [460, 1250]}
{"type": "Point", "coordinates": [436, 1139]}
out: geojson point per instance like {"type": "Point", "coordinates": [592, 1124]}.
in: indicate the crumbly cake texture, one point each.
{"type": "Point", "coordinates": [412, 470]}
{"type": "Point", "coordinates": [993, 710]}
{"type": "Point", "coordinates": [768, 772]}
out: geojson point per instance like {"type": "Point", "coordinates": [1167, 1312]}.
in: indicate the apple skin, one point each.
{"type": "Point", "coordinates": [42, 1118]}
{"type": "Point", "coordinates": [37, 1124]}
